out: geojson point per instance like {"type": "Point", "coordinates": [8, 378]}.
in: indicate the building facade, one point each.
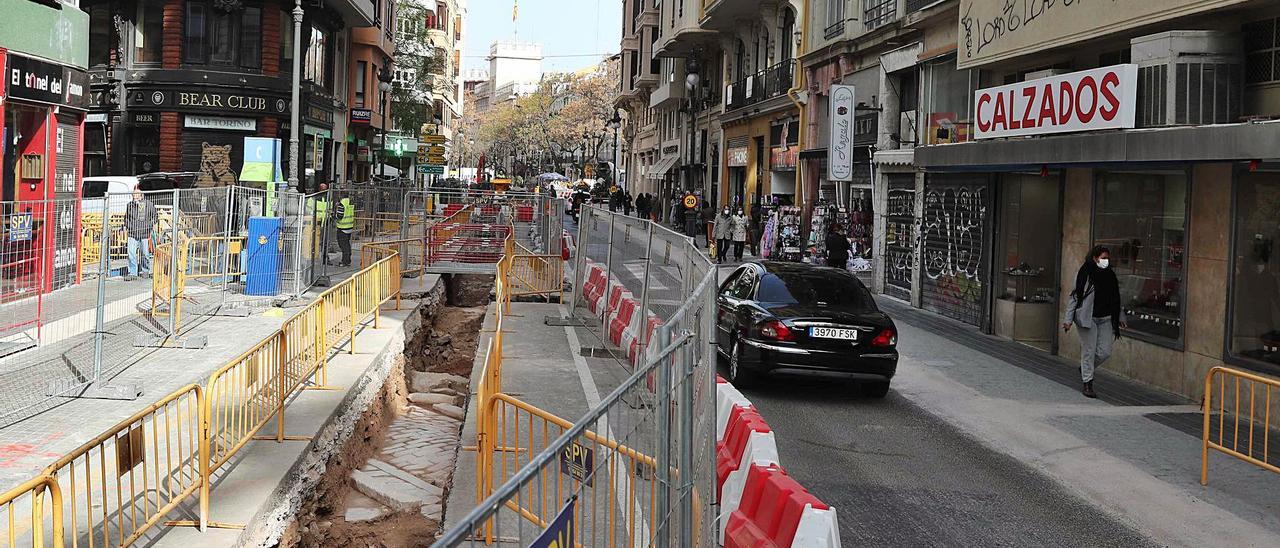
{"type": "Point", "coordinates": [180, 83]}
{"type": "Point", "coordinates": [1004, 140]}
{"type": "Point", "coordinates": [44, 94]}
{"type": "Point", "coordinates": [708, 93]}
{"type": "Point", "coordinates": [373, 50]}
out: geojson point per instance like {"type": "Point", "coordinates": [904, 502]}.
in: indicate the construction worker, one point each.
{"type": "Point", "coordinates": [346, 224]}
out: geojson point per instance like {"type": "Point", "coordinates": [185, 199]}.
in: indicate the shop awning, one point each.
{"type": "Point", "coordinates": [660, 169]}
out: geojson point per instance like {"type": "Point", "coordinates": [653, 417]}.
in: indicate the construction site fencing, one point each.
{"type": "Point", "coordinates": [1238, 407]}
{"type": "Point", "coordinates": [636, 470]}
{"type": "Point", "coordinates": [74, 313]}
{"type": "Point", "coordinates": [154, 468]}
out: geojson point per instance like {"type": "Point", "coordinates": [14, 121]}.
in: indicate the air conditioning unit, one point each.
{"type": "Point", "coordinates": [1188, 77]}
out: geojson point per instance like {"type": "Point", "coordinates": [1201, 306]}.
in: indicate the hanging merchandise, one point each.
{"type": "Point", "coordinates": [769, 235]}
{"type": "Point", "coordinates": [858, 228]}
{"type": "Point", "coordinates": [789, 236]}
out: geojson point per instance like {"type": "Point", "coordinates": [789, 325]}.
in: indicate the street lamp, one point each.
{"type": "Point", "coordinates": [296, 91]}
{"type": "Point", "coordinates": [385, 78]}
{"type": "Point", "coordinates": [614, 123]}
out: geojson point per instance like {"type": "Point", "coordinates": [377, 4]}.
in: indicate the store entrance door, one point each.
{"type": "Point", "coordinates": [1027, 260]}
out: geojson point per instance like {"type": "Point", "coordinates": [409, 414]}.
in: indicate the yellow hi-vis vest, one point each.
{"type": "Point", "coordinates": [348, 219]}
{"type": "Point", "coordinates": [320, 208]}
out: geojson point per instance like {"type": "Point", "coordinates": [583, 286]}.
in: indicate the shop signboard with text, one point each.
{"type": "Point", "coordinates": [840, 157]}
{"type": "Point", "coordinates": [1088, 100]}
{"type": "Point", "coordinates": [994, 30]}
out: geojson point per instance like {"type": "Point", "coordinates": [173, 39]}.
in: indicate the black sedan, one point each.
{"type": "Point", "coordinates": [778, 318]}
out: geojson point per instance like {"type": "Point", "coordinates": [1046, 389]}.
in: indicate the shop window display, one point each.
{"type": "Point", "coordinates": [1141, 217]}
{"type": "Point", "coordinates": [1255, 289]}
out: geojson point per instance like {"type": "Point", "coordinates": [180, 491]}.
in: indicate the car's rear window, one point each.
{"type": "Point", "coordinates": [815, 287]}
{"type": "Point", "coordinates": [94, 189]}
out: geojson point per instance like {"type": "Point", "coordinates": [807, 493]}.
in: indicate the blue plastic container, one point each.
{"type": "Point", "coordinates": [262, 276]}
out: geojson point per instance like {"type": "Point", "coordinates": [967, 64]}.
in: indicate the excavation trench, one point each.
{"type": "Point", "coordinates": [388, 484]}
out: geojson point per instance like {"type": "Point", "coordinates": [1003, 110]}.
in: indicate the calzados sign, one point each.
{"type": "Point", "coordinates": [1101, 98]}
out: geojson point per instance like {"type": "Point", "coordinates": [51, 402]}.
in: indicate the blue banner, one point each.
{"type": "Point", "coordinates": [559, 533]}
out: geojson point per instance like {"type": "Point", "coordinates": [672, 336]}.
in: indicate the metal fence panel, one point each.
{"type": "Point", "coordinates": [649, 479]}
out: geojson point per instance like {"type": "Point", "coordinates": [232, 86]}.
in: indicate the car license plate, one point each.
{"type": "Point", "coordinates": [833, 333]}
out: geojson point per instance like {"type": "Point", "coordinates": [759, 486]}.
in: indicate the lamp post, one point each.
{"type": "Point", "coordinates": [294, 125]}
{"type": "Point", "coordinates": [691, 82]}
{"type": "Point", "coordinates": [385, 78]}
{"type": "Point", "coordinates": [614, 123]}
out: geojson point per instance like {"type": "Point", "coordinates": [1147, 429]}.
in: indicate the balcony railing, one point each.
{"type": "Point", "coordinates": [878, 12]}
{"type": "Point", "coordinates": [761, 86]}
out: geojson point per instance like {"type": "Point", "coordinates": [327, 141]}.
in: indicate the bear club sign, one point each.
{"type": "Point", "coordinates": [1101, 98]}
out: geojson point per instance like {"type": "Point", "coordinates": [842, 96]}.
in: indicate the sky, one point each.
{"type": "Point", "coordinates": [581, 32]}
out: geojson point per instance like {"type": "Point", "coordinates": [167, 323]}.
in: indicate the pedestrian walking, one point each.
{"type": "Point", "coordinates": [738, 228]}
{"type": "Point", "coordinates": [345, 225]}
{"type": "Point", "coordinates": [837, 247]}
{"type": "Point", "coordinates": [1095, 308]}
{"type": "Point", "coordinates": [140, 220]}
{"type": "Point", "coordinates": [626, 204]}
{"type": "Point", "coordinates": [723, 231]}
{"type": "Point", "coordinates": [673, 213]}
{"type": "Point", "coordinates": [642, 206]}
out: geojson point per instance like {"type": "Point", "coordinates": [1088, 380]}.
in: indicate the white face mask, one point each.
{"type": "Point", "coordinates": [1103, 263]}
{"type": "Point", "coordinates": [726, 211]}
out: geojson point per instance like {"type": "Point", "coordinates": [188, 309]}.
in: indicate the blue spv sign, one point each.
{"type": "Point", "coordinates": [20, 227]}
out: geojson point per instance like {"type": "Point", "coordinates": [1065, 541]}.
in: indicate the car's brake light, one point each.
{"type": "Point", "coordinates": [774, 329]}
{"type": "Point", "coordinates": [886, 337]}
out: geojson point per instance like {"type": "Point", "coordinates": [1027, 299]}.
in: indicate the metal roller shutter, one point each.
{"type": "Point", "coordinates": [955, 234]}
{"type": "Point", "coordinates": [900, 235]}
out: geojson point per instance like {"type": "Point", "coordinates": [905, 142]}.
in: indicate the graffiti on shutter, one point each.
{"type": "Point", "coordinates": [954, 230]}
{"type": "Point", "coordinates": [900, 235]}
{"type": "Point", "coordinates": [66, 210]}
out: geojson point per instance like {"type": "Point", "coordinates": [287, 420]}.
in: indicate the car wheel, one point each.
{"type": "Point", "coordinates": [739, 375]}
{"type": "Point", "coordinates": [877, 389]}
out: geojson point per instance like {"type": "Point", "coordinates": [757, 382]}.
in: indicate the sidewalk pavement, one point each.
{"type": "Point", "coordinates": [60, 425]}
{"type": "Point", "coordinates": [1134, 452]}
{"type": "Point", "coordinates": [266, 483]}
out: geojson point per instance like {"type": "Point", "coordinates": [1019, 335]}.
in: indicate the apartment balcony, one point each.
{"type": "Point", "coordinates": [761, 86]}
{"type": "Point", "coordinates": [669, 94]}
{"type": "Point", "coordinates": [725, 15]}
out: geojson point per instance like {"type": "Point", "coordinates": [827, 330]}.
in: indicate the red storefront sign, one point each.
{"type": "Point", "coordinates": [1088, 100]}
{"type": "Point", "coordinates": [783, 159]}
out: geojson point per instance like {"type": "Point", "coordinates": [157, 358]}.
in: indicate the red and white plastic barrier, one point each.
{"type": "Point", "coordinates": [760, 505]}
{"type": "Point", "coordinates": [774, 509]}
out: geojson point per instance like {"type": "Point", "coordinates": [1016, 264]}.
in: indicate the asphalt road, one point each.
{"type": "Point", "coordinates": [898, 475]}
{"type": "Point", "coordinates": [901, 477]}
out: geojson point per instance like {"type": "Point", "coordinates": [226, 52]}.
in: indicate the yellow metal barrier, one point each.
{"type": "Point", "coordinates": [532, 430]}
{"type": "Point", "coordinates": [91, 235]}
{"type": "Point", "coordinates": [161, 278]}
{"type": "Point", "coordinates": [126, 480]}
{"type": "Point", "coordinates": [375, 251]}
{"type": "Point", "coordinates": [537, 275]}
{"type": "Point", "coordinates": [123, 482]}
{"type": "Point", "coordinates": [29, 499]}
{"type": "Point", "coordinates": [213, 257]}
{"type": "Point", "coordinates": [1249, 409]}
